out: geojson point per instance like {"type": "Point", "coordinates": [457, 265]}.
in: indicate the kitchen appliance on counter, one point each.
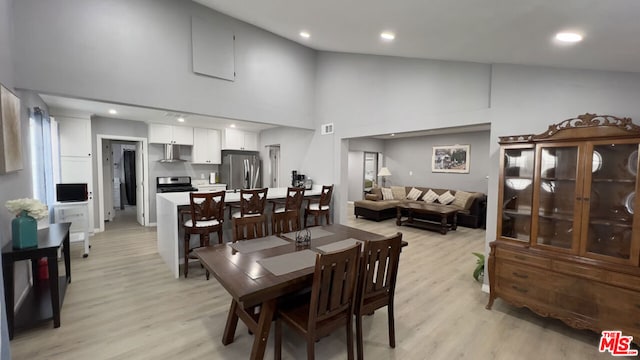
{"type": "Point", "coordinates": [298, 180]}
{"type": "Point", "coordinates": [240, 169]}
{"type": "Point", "coordinates": [165, 184]}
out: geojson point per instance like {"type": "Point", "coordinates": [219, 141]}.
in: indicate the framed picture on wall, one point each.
{"type": "Point", "coordinates": [450, 159]}
{"type": "Point", "coordinates": [10, 135]}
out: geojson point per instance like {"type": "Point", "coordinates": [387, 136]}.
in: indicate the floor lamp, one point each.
{"type": "Point", "coordinates": [384, 172]}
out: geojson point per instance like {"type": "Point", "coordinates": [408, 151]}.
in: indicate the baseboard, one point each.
{"type": "Point", "coordinates": [485, 288]}
{"type": "Point", "coordinates": [152, 225]}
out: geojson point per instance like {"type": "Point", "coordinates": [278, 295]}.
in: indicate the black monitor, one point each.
{"type": "Point", "coordinates": [71, 192]}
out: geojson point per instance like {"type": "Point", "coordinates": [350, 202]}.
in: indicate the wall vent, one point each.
{"type": "Point", "coordinates": [326, 129]}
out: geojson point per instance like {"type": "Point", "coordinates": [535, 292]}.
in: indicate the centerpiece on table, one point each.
{"type": "Point", "coordinates": [24, 227]}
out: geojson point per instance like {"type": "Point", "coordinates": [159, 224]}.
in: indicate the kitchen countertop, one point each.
{"type": "Point", "coordinates": [182, 198]}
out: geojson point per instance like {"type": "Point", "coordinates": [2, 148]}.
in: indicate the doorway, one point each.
{"type": "Point", "coordinates": [274, 165]}
{"type": "Point", "coordinates": [122, 181]}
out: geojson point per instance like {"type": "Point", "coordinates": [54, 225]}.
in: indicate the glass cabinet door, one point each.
{"type": "Point", "coordinates": [517, 193]}
{"type": "Point", "coordinates": [611, 201]}
{"type": "Point", "coordinates": [557, 191]}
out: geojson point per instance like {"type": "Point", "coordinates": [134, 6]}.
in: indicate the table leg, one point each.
{"type": "Point", "coordinates": [55, 290]}
{"type": "Point", "coordinates": [66, 253]}
{"type": "Point", "coordinates": [454, 225]}
{"type": "Point", "coordinates": [443, 225]}
{"type": "Point", "coordinates": [7, 266]}
{"type": "Point", "coordinates": [232, 323]}
{"type": "Point", "coordinates": [264, 325]}
{"type": "Point", "coordinates": [398, 216]}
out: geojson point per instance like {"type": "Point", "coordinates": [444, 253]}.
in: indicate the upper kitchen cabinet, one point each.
{"type": "Point", "coordinates": [240, 140]}
{"type": "Point", "coordinates": [206, 146]}
{"type": "Point", "coordinates": [75, 136]}
{"type": "Point", "coordinates": [169, 134]}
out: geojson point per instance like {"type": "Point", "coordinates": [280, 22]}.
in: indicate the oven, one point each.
{"type": "Point", "coordinates": [165, 184]}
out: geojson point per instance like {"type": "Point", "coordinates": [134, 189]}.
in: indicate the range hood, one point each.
{"type": "Point", "coordinates": [171, 154]}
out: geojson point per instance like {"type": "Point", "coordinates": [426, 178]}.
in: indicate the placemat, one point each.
{"type": "Point", "coordinates": [338, 245]}
{"type": "Point", "coordinates": [316, 232]}
{"type": "Point", "coordinates": [247, 246]}
{"type": "Point", "coordinates": [284, 264]}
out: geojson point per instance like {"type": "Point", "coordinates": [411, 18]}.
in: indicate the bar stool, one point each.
{"type": "Point", "coordinates": [320, 207]}
{"type": "Point", "coordinates": [207, 216]}
{"type": "Point", "coordinates": [252, 203]}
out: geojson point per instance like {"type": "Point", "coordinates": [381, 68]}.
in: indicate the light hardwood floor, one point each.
{"type": "Point", "coordinates": [124, 304]}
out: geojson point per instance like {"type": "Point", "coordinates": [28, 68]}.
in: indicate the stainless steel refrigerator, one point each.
{"type": "Point", "coordinates": [240, 169]}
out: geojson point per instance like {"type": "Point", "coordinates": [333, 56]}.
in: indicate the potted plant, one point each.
{"type": "Point", "coordinates": [479, 271]}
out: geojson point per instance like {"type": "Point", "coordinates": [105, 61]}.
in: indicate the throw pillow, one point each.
{"type": "Point", "coordinates": [461, 199]}
{"type": "Point", "coordinates": [446, 198]}
{"type": "Point", "coordinates": [414, 194]}
{"type": "Point", "coordinates": [399, 192]}
{"type": "Point", "coordinates": [372, 197]}
{"type": "Point", "coordinates": [430, 196]}
{"type": "Point", "coordinates": [387, 194]}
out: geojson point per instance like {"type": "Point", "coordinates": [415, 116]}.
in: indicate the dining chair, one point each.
{"type": "Point", "coordinates": [249, 227]}
{"type": "Point", "coordinates": [319, 207]}
{"type": "Point", "coordinates": [293, 201]}
{"type": "Point", "coordinates": [206, 216]}
{"type": "Point", "coordinates": [330, 305]}
{"type": "Point", "coordinates": [377, 283]}
{"type": "Point", "coordinates": [252, 203]}
{"type": "Point", "coordinates": [285, 222]}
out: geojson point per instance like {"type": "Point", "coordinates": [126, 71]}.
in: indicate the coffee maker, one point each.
{"type": "Point", "coordinates": [297, 180]}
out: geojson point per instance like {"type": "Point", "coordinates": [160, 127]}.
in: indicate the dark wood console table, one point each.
{"type": "Point", "coordinates": [45, 298]}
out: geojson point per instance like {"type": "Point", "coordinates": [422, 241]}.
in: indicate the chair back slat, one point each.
{"type": "Point", "coordinates": [295, 195]}
{"type": "Point", "coordinates": [206, 206]}
{"type": "Point", "coordinates": [252, 201]}
{"type": "Point", "coordinates": [379, 268]}
{"type": "Point", "coordinates": [284, 222]}
{"type": "Point", "coordinates": [334, 284]}
{"type": "Point", "coordinates": [249, 227]}
{"type": "Point", "coordinates": [325, 195]}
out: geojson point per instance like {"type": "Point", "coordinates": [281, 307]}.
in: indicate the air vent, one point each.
{"type": "Point", "coordinates": [326, 129]}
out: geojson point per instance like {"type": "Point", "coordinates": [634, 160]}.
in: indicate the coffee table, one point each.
{"type": "Point", "coordinates": [447, 216]}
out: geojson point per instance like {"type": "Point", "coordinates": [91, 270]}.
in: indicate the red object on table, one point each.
{"type": "Point", "coordinates": [43, 269]}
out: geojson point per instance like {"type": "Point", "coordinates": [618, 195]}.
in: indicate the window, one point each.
{"type": "Point", "coordinates": [43, 132]}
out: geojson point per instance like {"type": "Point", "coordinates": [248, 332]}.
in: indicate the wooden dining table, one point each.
{"type": "Point", "coordinates": [250, 283]}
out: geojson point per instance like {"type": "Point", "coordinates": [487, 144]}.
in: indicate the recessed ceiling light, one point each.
{"type": "Point", "coordinates": [568, 37]}
{"type": "Point", "coordinates": [112, 111]}
{"type": "Point", "coordinates": [387, 35]}
{"type": "Point", "coordinates": [393, 134]}
{"type": "Point", "coordinates": [305, 34]}
{"type": "Point", "coordinates": [232, 125]}
{"type": "Point", "coordinates": [180, 119]}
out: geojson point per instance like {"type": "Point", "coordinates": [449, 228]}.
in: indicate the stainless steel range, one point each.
{"type": "Point", "coordinates": [166, 184]}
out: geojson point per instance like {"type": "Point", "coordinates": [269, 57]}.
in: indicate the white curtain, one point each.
{"type": "Point", "coordinates": [44, 152]}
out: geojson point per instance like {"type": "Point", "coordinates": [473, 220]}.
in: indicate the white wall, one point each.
{"type": "Point", "coordinates": [294, 144]}
{"type": "Point", "coordinates": [405, 155]}
{"type": "Point", "coordinates": [356, 175]}
{"type": "Point", "coordinates": [139, 52]}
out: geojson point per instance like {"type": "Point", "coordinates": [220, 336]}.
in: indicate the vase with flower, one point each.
{"type": "Point", "coordinates": [24, 227]}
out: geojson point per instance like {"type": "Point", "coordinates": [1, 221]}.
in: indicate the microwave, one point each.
{"type": "Point", "coordinates": [71, 192]}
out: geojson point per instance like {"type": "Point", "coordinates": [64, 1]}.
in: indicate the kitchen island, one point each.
{"type": "Point", "coordinates": [169, 229]}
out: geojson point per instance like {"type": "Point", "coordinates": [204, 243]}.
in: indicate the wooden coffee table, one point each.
{"type": "Point", "coordinates": [448, 216]}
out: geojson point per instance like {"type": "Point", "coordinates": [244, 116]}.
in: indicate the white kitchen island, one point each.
{"type": "Point", "coordinates": [170, 242]}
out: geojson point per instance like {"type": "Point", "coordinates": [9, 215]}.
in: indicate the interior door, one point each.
{"type": "Point", "coordinates": [140, 183]}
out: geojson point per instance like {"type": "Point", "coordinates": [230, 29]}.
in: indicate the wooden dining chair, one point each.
{"type": "Point", "coordinates": [206, 216]}
{"type": "Point", "coordinates": [285, 222]}
{"type": "Point", "coordinates": [293, 201]}
{"type": "Point", "coordinates": [330, 305]}
{"type": "Point", "coordinates": [320, 207]}
{"type": "Point", "coordinates": [252, 203]}
{"type": "Point", "coordinates": [377, 283]}
{"type": "Point", "coordinates": [249, 227]}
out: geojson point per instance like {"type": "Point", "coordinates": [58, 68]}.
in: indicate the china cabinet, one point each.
{"type": "Point", "coordinates": [568, 236]}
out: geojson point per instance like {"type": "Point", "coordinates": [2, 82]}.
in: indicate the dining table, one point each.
{"type": "Point", "coordinates": [258, 272]}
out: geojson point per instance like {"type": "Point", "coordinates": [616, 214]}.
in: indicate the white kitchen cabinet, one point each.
{"type": "Point", "coordinates": [206, 146]}
{"type": "Point", "coordinates": [240, 140]}
{"type": "Point", "coordinates": [169, 134]}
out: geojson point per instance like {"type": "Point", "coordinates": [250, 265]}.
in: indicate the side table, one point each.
{"type": "Point", "coordinates": [45, 298]}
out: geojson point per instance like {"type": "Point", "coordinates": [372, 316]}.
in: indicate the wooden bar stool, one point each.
{"type": "Point", "coordinates": [252, 202]}
{"type": "Point", "coordinates": [321, 207]}
{"type": "Point", "coordinates": [207, 216]}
